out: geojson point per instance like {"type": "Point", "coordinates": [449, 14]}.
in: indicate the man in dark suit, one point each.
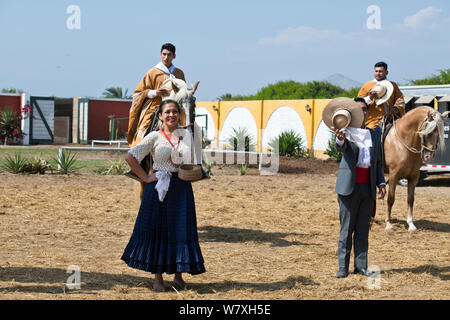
{"type": "Point", "coordinates": [360, 172]}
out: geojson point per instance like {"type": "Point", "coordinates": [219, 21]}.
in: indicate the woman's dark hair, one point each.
{"type": "Point", "coordinates": [167, 102]}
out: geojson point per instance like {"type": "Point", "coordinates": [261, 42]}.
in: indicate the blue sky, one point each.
{"type": "Point", "coordinates": [229, 46]}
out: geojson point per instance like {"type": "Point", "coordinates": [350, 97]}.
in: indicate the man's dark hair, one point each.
{"type": "Point", "coordinates": [361, 99]}
{"type": "Point", "coordinates": [168, 46]}
{"type": "Point", "coordinates": [381, 64]}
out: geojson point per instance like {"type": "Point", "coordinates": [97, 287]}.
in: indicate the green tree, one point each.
{"type": "Point", "coordinates": [12, 90]}
{"type": "Point", "coordinates": [116, 93]}
{"type": "Point", "coordinates": [442, 78]}
{"type": "Point", "coordinates": [295, 90]}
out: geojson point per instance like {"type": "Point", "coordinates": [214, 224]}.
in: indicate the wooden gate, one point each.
{"type": "Point", "coordinates": [42, 120]}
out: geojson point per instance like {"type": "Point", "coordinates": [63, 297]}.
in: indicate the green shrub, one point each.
{"type": "Point", "coordinates": [116, 168]}
{"type": "Point", "coordinates": [331, 150]}
{"type": "Point", "coordinates": [243, 169]}
{"type": "Point", "coordinates": [10, 125]}
{"type": "Point", "coordinates": [37, 165]}
{"type": "Point", "coordinates": [289, 144]}
{"type": "Point", "coordinates": [208, 167]}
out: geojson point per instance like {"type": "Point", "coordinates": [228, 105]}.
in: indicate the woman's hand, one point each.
{"type": "Point", "coordinates": [149, 178]}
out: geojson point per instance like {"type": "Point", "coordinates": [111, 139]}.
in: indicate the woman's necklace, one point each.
{"type": "Point", "coordinates": [176, 155]}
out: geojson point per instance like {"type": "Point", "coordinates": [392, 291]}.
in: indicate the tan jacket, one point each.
{"type": "Point", "coordinates": [376, 112]}
{"type": "Point", "coordinates": [142, 107]}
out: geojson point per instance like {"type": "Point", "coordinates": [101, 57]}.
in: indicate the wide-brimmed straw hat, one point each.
{"type": "Point", "coordinates": [342, 113]}
{"type": "Point", "coordinates": [384, 90]}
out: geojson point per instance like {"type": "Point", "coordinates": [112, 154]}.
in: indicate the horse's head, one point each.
{"type": "Point", "coordinates": [431, 132]}
{"type": "Point", "coordinates": [179, 91]}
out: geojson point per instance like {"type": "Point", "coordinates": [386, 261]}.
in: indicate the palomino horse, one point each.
{"type": "Point", "coordinates": [412, 140]}
{"type": "Point", "coordinates": [179, 91]}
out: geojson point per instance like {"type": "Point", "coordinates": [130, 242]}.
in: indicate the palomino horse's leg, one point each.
{"type": "Point", "coordinates": [393, 179]}
{"type": "Point", "coordinates": [411, 188]}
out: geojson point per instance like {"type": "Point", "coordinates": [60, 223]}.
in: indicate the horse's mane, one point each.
{"type": "Point", "coordinates": [437, 123]}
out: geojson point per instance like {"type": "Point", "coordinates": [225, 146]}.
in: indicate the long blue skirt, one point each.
{"type": "Point", "coordinates": [165, 238]}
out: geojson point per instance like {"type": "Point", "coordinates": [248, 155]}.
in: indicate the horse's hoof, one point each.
{"type": "Point", "coordinates": [389, 229]}
{"type": "Point", "coordinates": [412, 228]}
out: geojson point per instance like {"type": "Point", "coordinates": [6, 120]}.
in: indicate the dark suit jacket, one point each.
{"type": "Point", "coordinates": [346, 178]}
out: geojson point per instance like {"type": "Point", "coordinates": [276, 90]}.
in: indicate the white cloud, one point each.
{"type": "Point", "coordinates": [291, 36]}
{"type": "Point", "coordinates": [425, 18]}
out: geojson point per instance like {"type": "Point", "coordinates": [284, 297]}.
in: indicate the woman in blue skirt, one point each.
{"type": "Point", "coordinates": [165, 237]}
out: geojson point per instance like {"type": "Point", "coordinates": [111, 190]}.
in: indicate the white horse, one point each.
{"type": "Point", "coordinates": [179, 91]}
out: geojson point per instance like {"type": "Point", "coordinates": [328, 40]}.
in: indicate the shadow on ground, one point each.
{"type": "Point", "coordinates": [427, 268]}
{"type": "Point", "coordinates": [235, 235]}
{"type": "Point", "coordinates": [420, 225]}
{"type": "Point", "coordinates": [53, 281]}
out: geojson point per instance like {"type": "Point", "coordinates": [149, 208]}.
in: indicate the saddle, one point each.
{"type": "Point", "coordinates": [386, 124]}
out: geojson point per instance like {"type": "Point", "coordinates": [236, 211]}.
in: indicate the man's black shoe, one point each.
{"type": "Point", "coordinates": [363, 272]}
{"type": "Point", "coordinates": [342, 274]}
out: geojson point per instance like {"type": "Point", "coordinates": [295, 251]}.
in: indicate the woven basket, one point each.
{"type": "Point", "coordinates": [189, 172]}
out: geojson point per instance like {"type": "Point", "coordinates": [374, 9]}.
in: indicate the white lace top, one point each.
{"type": "Point", "coordinates": [157, 145]}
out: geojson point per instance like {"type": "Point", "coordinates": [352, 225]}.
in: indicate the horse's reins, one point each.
{"type": "Point", "coordinates": [412, 149]}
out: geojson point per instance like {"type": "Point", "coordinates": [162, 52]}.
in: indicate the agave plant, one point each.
{"type": "Point", "coordinates": [66, 162]}
{"type": "Point", "coordinates": [241, 140]}
{"type": "Point", "coordinates": [289, 144]}
{"type": "Point", "coordinates": [14, 164]}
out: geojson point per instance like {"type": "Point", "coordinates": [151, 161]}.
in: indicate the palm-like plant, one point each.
{"type": "Point", "coordinates": [241, 140]}
{"type": "Point", "coordinates": [10, 125]}
{"type": "Point", "coordinates": [289, 144]}
{"type": "Point", "coordinates": [116, 93]}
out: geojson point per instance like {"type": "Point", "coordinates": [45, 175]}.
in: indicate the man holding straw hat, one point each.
{"type": "Point", "coordinates": [382, 96]}
{"type": "Point", "coordinates": [360, 173]}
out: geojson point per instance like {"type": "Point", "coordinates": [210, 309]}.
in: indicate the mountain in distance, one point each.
{"type": "Point", "coordinates": [342, 81]}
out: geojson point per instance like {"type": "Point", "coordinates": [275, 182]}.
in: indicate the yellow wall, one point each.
{"type": "Point", "coordinates": [261, 111]}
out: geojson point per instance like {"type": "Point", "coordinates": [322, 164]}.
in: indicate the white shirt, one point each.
{"type": "Point", "coordinates": [152, 93]}
{"type": "Point", "coordinates": [363, 140]}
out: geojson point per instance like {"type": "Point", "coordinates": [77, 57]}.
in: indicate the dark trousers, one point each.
{"type": "Point", "coordinates": [354, 214]}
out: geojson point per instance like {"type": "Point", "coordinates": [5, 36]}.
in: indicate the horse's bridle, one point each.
{"type": "Point", "coordinates": [412, 149]}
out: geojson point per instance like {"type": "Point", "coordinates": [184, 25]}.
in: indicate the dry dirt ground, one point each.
{"type": "Point", "coordinates": [262, 237]}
